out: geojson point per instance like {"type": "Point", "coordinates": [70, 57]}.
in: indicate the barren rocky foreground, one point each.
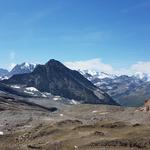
{"type": "Point", "coordinates": [44, 124]}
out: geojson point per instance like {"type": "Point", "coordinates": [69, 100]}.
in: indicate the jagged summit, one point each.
{"type": "Point", "coordinates": [22, 68]}
{"type": "Point", "coordinates": [55, 63]}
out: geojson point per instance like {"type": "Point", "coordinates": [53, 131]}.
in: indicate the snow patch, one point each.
{"type": "Point", "coordinates": [56, 98]}
{"type": "Point", "coordinates": [43, 95]}
{"type": "Point", "coordinates": [47, 94]}
{"type": "Point", "coordinates": [94, 111]}
{"type": "Point", "coordinates": [32, 89]}
{"type": "Point", "coordinates": [4, 78]}
{"type": "Point", "coordinates": [27, 64]}
{"type": "Point", "coordinates": [1, 133]}
{"type": "Point", "coordinates": [15, 86]}
{"type": "Point", "coordinates": [75, 147]}
{"type": "Point", "coordinates": [61, 115]}
{"type": "Point", "coordinates": [74, 102]}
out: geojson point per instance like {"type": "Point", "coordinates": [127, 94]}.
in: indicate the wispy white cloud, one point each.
{"type": "Point", "coordinates": [12, 64]}
{"type": "Point", "coordinates": [98, 65]}
{"type": "Point", "coordinates": [12, 55]}
{"type": "Point", "coordinates": [141, 66]}
{"type": "Point", "coordinates": [93, 64]}
{"type": "Point", "coordinates": [84, 36]}
{"type": "Point", "coordinates": [41, 14]}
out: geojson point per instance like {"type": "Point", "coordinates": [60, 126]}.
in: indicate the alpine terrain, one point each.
{"type": "Point", "coordinates": [55, 78]}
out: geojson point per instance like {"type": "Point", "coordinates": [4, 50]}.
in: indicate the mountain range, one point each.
{"type": "Point", "coordinates": [57, 79]}
{"type": "Point", "coordinates": [125, 90]}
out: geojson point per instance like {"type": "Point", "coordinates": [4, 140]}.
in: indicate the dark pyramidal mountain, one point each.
{"type": "Point", "coordinates": [57, 79]}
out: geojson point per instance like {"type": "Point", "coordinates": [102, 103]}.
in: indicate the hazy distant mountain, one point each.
{"type": "Point", "coordinates": [91, 75]}
{"type": "Point", "coordinates": [126, 90]}
{"type": "Point", "coordinates": [143, 76]}
{"type": "Point", "coordinates": [55, 78]}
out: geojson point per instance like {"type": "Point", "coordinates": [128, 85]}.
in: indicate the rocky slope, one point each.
{"type": "Point", "coordinates": [44, 124]}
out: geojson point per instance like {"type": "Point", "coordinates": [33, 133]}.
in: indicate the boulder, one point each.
{"type": "Point", "coordinates": [146, 107]}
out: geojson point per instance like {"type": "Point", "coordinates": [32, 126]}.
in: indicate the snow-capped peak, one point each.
{"type": "Point", "coordinates": [142, 76]}
{"type": "Point", "coordinates": [91, 72]}
{"type": "Point", "coordinates": [28, 65]}
{"type": "Point", "coordinates": [23, 68]}
{"type": "Point", "coordinates": [103, 75]}
{"type": "Point", "coordinates": [96, 74]}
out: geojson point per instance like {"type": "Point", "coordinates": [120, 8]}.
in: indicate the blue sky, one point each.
{"type": "Point", "coordinates": [115, 31]}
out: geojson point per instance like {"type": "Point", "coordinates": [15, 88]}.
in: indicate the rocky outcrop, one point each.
{"type": "Point", "coordinates": [146, 107]}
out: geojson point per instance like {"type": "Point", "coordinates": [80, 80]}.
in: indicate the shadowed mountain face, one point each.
{"type": "Point", "coordinates": [55, 78]}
